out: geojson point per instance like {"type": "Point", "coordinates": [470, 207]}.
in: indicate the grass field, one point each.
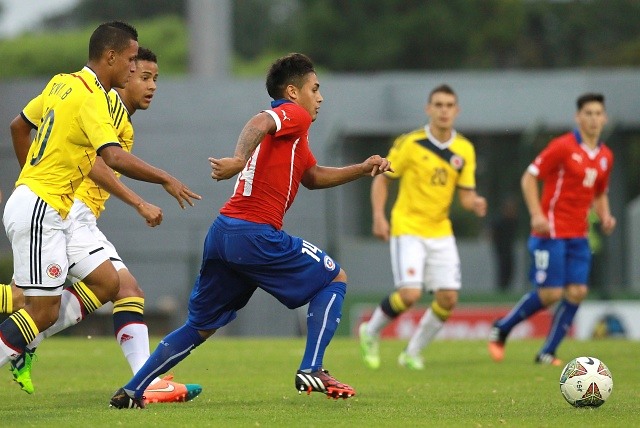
{"type": "Point", "coordinates": [249, 383]}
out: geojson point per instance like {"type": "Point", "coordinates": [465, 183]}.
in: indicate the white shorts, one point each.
{"type": "Point", "coordinates": [83, 214]}
{"type": "Point", "coordinates": [429, 263]}
{"type": "Point", "coordinates": [46, 247]}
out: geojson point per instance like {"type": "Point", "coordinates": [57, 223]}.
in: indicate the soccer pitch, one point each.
{"type": "Point", "coordinates": [250, 383]}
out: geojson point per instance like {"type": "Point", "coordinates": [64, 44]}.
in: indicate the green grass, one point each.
{"type": "Point", "coordinates": [249, 383]}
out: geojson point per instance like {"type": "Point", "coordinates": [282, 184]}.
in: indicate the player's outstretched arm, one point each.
{"type": "Point", "coordinates": [21, 138]}
{"type": "Point", "coordinates": [322, 177]}
{"type": "Point", "coordinates": [106, 179]}
{"type": "Point", "coordinates": [134, 167]}
{"type": "Point", "coordinates": [252, 134]}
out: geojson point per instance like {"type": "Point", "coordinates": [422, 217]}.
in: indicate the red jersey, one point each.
{"type": "Point", "coordinates": [268, 184]}
{"type": "Point", "coordinates": [572, 176]}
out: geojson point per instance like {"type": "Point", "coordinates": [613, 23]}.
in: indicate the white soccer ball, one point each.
{"type": "Point", "coordinates": [586, 382]}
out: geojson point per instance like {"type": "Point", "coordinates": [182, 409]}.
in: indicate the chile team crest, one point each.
{"type": "Point", "coordinates": [329, 264]}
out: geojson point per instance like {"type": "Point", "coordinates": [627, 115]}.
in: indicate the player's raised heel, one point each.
{"type": "Point", "coordinates": [322, 381]}
{"type": "Point", "coordinates": [496, 344]}
{"type": "Point", "coordinates": [122, 400]}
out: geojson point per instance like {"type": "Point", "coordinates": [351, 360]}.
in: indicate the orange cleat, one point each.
{"type": "Point", "coordinates": [548, 359]}
{"type": "Point", "coordinates": [322, 381]}
{"type": "Point", "coordinates": [168, 391]}
{"type": "Point", "coordinates": [496, 344]}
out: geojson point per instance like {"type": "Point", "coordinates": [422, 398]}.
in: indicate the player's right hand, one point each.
{"type": "Point", "coordinates": [540, 224]}
{"type": "Point", "coordinates": [181, 192]}
{"type": "Point", "coordinates": [151, 213]}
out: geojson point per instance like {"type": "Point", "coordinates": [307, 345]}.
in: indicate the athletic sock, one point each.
{"type": "Point", "coordinates": [175, 347]}
{"type": "Point", "coordinates": [76, 302]}
{"type": "Point", "coordinates": [430, 324]}
{"type": "Point", "coordinates": [15, 333]}
{"type": "Point", "coordinates": [131, 331]}
{"type": "Point", "coordinates": [389, 309]}
{"type": "Point", "coordinates": [562, 320]}
{"type": "Point", "coordinates": [528, 305]}
{"type": "Point", "coordinates": [323, 317]}
{"type": "Point", "coordinates": [6, 299]}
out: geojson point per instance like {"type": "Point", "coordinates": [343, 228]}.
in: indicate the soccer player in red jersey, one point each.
{"type": "Point", "coordinates": [246, 247]}
{"type": "Point", "coordinates": [574, 169]}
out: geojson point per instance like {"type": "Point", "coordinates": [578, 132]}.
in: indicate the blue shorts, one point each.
{"type": "Point", "coordinates": [240, 256]}
{"type": "Point", "coordinates": [559, 262]}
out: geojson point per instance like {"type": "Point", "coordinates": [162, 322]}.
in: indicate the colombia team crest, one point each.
{"type": "Point", "coordinates": [54, 270]}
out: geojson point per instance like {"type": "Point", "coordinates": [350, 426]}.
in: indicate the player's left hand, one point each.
{"type": "Point", "coordinates": [480, 206]}
{"type": "Point", "coordinates": [181, 192]}
{"type": "Point", "coordinates": [607, 224]}
{"type": "Point", "coordinates": [376, 164]}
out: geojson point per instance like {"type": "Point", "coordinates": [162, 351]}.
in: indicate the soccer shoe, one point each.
{"type": "Point", "coordinates": [496, 344]}
{"type": "Point", "coordinates": [549, 359]}
{"type": "Point", "coordinates": [370, 347]}
{"type": "Point", "coordinates": [122, 400]}
{"type": "Point", "coordinates": [22, 375]}
{"type": "Point", "coordinates": [168, 391]}
{"type": "Point", "coordinates": [410, 362]}
{"type": "Point", "coordinates": [322, 381]}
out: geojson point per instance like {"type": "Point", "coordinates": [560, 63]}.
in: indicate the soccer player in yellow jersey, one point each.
{"type": "Point", "coordinates": [430, 163]}
{"type": "Point", "coordinates": [130, 329]}
{"type": "Point", "coordinates": [72, 117]}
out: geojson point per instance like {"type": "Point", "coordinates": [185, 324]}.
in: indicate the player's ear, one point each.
{"type": "Point", "coordinates": [291, 92]}
{"type": "Point", "coordinates": [111, 56]}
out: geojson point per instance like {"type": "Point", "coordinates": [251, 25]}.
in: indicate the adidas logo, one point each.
{"type": "Point", "coordinates": [309, 381]}
{"type": "Point", "coordinates": [125, 337]}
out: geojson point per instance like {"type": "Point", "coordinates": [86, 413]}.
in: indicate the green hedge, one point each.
{"type": "Point", "coordinates": [45, 54]}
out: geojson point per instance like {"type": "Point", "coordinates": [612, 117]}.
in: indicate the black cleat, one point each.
{"type": "Point", "coordinates": [122, 400]}
{"type": "Point", "coordinates": [322, 381]}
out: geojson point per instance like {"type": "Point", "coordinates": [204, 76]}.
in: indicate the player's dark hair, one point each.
{"type": "Point", "coordinates": [444, 88]}
{"type": "Point", "coordinates": [114, 35]}
{"type": "Point", "coordinates": [145, 54]}
{"type": "Point", "coordinates": [589, 98]}
{"type": "Point", "coordinates": [288, 70]}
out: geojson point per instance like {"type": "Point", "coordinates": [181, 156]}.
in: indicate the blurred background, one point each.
{"type": "Point", "coordinates": [517, 67]}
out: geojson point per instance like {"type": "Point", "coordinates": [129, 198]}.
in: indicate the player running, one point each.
{"type": "Point", "coordinates": [574, 169]}
{"type": "Point", "coordinates": [246, 247]}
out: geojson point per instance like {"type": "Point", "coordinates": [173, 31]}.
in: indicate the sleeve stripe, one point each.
{"type": "Point", "coordinates": [276, 118]}
{"type": "Point", "coordinates": [26, 119]}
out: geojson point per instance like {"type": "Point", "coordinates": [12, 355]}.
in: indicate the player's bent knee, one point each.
{"type": "Point", "coordinates": [128, 286]}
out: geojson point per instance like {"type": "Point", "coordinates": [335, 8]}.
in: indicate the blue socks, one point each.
{"type": "Point", "coordinates": [562, 320]}
{"type": "Point", "coordinates": [175, 347]}
{"type": "Point", "coordinates": [323, 317]}
{"type": "Point", "coordinates": [528, 305]}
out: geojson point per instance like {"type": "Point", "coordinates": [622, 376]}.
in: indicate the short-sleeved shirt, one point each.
{"type": "Point", "coordinates": [72, 116]}
{"type": "Point", "coordinates": [89, 192]}
{"type": "Point", "coordinates": [429, 172]}
{"type": "Point", "coordinates": [572, 175]}
{"type": "Point", "coordinates": [267, 186]}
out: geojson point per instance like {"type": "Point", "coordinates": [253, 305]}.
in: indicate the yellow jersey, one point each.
{"type": "Point", "coordinates": [89, 192]}
{"type": "Point", "coordinates": [429, 172]}
{"type": "Point", "coordinates": [73, 122]}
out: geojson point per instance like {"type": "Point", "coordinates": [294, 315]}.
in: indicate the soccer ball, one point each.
{"type": "Point", "coordinates": [586, 382]}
